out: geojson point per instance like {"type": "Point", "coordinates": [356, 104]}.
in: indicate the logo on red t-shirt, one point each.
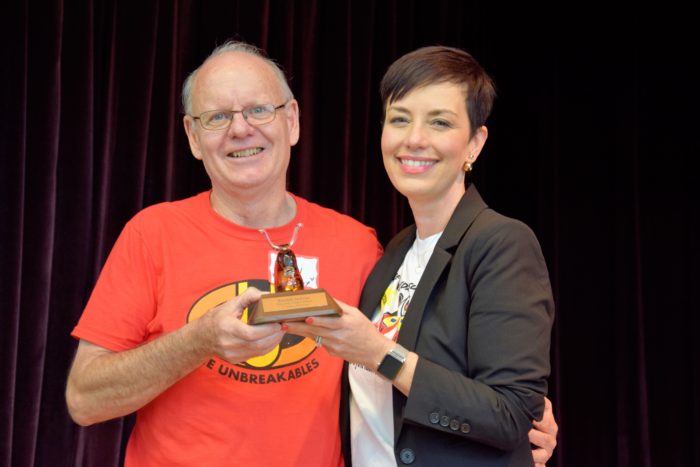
{"type": "Point", "coordinates": [290, 351]}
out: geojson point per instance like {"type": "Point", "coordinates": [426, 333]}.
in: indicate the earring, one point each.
{"type": "Point", "coordinates": [467, 167]}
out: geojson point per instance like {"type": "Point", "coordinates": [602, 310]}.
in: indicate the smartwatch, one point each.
{"type": "Point", "coordinates": [392, 362]}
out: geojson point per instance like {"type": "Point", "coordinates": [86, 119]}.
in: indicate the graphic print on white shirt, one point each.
{"type": "Point", "coordinates": [393, 307]}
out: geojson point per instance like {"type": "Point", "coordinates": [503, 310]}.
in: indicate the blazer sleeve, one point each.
{"type": "Point", "coordinates": [506, 295]}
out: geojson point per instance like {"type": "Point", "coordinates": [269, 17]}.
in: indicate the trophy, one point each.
{"type": "Point", "coordinates": [290, 302]}
{"type": "Point", "coordinates": [287, 275]}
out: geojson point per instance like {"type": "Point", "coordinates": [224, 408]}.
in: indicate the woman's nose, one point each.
{"type": "Point", "coordinates": [416, 137]}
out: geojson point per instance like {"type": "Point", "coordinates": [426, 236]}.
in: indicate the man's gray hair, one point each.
{"type": "Point", "coordinates": [234, 46]}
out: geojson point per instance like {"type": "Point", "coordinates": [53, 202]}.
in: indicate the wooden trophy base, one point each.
{"type": "Point", "coordinates": [293, 306]}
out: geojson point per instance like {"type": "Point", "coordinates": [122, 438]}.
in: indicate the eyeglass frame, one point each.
{"type": "Point", "coordinates": [244, 112]}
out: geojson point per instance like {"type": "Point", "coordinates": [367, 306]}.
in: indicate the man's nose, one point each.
{"type": "Point", "coordinates": [240, 127]}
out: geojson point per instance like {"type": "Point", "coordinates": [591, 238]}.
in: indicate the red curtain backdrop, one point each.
{"type": "Point", "coordinates": [591, 143]}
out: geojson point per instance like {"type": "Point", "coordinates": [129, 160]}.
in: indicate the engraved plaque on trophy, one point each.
{"type": "Point", "coordinates": [293, 306]}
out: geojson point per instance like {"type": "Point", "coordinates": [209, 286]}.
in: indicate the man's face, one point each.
{"type": "Point", "coordinates": [244, 159]}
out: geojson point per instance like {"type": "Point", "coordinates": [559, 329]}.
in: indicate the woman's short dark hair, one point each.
{"type": "Point", "coordinates": [435, 65]}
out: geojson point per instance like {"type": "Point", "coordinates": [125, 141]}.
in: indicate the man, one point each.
{"type": "Point", "coordinates": [164, 332]}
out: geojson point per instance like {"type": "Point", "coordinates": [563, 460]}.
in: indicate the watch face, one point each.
{"type": "Point", "coordinates": [392, 363]}
{"type": "Point", "coordinates": [389, 368]}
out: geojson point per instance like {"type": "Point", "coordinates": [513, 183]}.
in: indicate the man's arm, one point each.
{"type": "Point", "coordinates": [103, 384]}
{"type": "Point", "coordinates": [543, 436]}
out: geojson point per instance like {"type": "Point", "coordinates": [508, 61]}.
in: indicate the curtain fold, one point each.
{"type": "Point", "coordinates": [42, 119]}
{"type": "Point", "coordinates": [13, 141]}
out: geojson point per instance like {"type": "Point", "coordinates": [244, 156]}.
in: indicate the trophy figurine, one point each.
{"type": "Point", "coordinates": [290, 302]}
{"type": "Point", "coordinates": [287, 275]}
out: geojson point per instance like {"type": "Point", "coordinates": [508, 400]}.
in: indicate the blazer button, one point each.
{"type": "Point", "coordinates": [465, 428]}
{"type": "Point", "coordinates": [454, 425]}
{"type": "Point", "coordinates": [407, 456]}
{"type": "Point", "coordinates": [434, 418]}
{"type": "Point", "coordinates": [445, 421]}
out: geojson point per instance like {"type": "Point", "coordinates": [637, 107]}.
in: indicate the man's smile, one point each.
{"type": "Point", "coordinates": [245, 152]}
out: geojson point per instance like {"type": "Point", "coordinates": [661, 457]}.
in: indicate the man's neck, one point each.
{"type": "Point", "coordinates": [255, 211]}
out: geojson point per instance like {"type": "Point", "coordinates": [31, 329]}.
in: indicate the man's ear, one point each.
{"type": "Point", "coordinates": [293, 121]}
{"type": "Point", "coordinates": [192, 136]}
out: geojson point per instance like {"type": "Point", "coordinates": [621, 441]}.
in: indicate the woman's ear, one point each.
{"type": "Point", "coordinates": [476, 143]}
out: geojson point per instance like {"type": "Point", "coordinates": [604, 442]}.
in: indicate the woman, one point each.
{"type": "Point", "coordinates": [450, 353]}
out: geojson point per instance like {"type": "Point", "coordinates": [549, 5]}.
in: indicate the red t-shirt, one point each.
{"type": "Point", "coordinates": [172, 263]}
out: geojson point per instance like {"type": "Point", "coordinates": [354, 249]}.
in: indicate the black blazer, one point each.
{"type": "Point", "coordinates": [480, 321]}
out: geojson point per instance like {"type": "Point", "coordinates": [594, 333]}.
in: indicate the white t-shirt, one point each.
{"type": "Point", "coordinates": [371, 405]}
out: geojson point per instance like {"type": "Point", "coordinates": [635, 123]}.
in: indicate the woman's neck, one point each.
{"type": "Point", "coordinates": [432, 216]}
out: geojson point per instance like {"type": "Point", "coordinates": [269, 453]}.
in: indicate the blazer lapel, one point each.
{"type": "Point", "coordinates": [464, 215]}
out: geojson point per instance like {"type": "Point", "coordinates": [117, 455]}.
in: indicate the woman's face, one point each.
{"type": "Point", "coordinates": [426, 141]}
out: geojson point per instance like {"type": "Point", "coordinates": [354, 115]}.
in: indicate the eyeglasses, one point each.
{"type": "Point", "coordinates": [255, 115]}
